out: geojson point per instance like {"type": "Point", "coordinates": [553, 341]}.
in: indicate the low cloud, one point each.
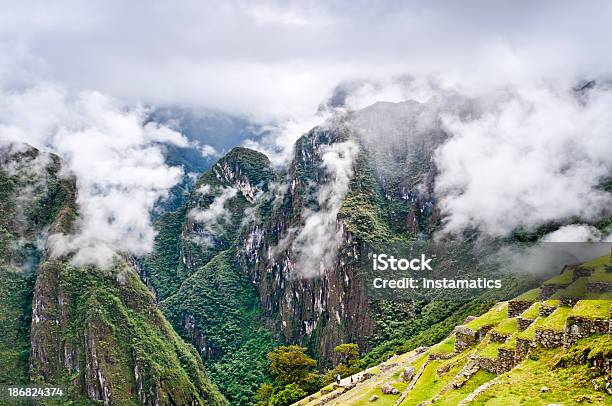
{"type": "Point", "coordinates": [526, 157]}
{"type": "Point", "coordinates": [210, 219]}
{"type": "Point", "coordinates": [317, 242]}
{"type": "Point", "coordinates": [116, 158]}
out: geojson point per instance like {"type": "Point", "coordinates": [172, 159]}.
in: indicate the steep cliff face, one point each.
{"type": "Point", "coordinates": [210, 301]}
{"type": "Point", "coordinates": [291, 239]}
{"type": "Point", "coordinates": [98, 332]}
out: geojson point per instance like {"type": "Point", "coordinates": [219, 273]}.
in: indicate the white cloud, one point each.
{"type": "Point", "coordinates": [574, 233]}
{"type": "Point", "coordinates": [120, 169]}
{"type": "Point", "coordinates": [317, 242]}
{"type": "Point", "coordinates": [208, 151]}
{"type": "Point", "coordinates": [526, 157]}
{"type": "Point", "coordinates": [209, 219]}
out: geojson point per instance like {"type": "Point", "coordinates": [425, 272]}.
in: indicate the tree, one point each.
{"type": "Point", "coordinates": [348, 352]}
{"type": "Point", "coordinates": [264, 393]}
{"type": "Point", "coordinates": [290, 364]}
{"type": "Point", "coordinates": [288, 395]}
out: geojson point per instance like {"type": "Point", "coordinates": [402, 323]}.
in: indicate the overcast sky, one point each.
{"type": "Point", "coordinates": [76, 77]}
{"type": "Point", "coordinates": [275, 60]}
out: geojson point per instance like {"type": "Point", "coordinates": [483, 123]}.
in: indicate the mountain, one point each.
{"type": "Point", "coordinates": [210, 134]}
{"type": "Point", "coordinates": [261, 256]}
{"type": "Point", "coordinates": [96, 332]}
{"type": "Point", "coordinates": [543, 347]}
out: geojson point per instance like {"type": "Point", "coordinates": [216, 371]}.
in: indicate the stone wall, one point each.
{"type": "Point", "coordinates": [489, 364]}
{"type": "Point", "coordinates": [522, 349]}
{"type": "Point", "coordinates": [549, 338]}
{"type": "Point", "coordinates": [523, 323]}
{"type": "Point", "coordinates": [580, 272]}
{"type": "Point", "coordinates": [500, 338]}
{"type": "Point", "coordinates": [549, 290]}
{"type": "Point", "coordinates": [506, 360]}
{"type": "Point", "coordinates": [546, 310]}
{"type": "Point", "coordinates": [598, 287]}
{"type": "Point", "coordinates": [579, 327]}
{"type": "Point", "coordinates": [516, 307]}
{"type": "Point", "coordinates": [464, 338]}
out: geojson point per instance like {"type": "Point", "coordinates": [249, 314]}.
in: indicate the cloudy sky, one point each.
{"type": "Point", "coordinates": [275, 60]}
{"type": "Point", "coordinates": [77, 77]}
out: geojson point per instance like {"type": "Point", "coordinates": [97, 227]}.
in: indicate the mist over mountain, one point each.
{"type": "Point", "coordinates": [188, 193]}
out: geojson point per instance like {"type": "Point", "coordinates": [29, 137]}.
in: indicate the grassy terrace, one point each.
{"type": "Point", "coordinates": [576, 289]}
{"type": "Point", "coordinates": [529, 296]}
{"type": "Point", "coordinates": [556, 321]}
{"type": "Point", "coordinates": [490, 350]}
{"type": "Point", "coordinates": [529, 332]}
{"type": "Point", "coordinates": [533, 312]}
{"type": "Point", "coordinates": [592, 309]}
{"type": "Point", "coordinates": [551, 302]}
{"type": "Point", "coordinates": [445, 347]}
{"type": "Point", "coordinates": [562, 279]}
{"type": "Point", "coordinates": [507, 327]}
{"type": "Point", "coordinates": [497, 313]}
{"type": "Point", "coordinates": [510, 344]}
{"type": "Point", "coordinates": [599, 266]}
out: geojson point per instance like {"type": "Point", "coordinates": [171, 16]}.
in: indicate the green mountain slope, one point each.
{"type": "Point", "coordinates": [97, 332]}
{"type": "Point", "coordinates": [529, 350]}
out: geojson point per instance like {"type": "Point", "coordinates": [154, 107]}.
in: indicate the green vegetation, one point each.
{"type": "Point", "coordinates": [571, 385]}
{"type": "Point", "coordinates": [497, 313]}
{"type": "Point", "coordinates": [445, 347]}
{"type": "Point", "coordinates": [591, 309]}
{"type": "Point", "coordinates": [507, 326]}
{"type": "Point", "coordinates": [15, 317]}
{"type": "Point", "coordinates": [532, 312]}
{"type": "Point", "coordinates": [225, 310]}
{"type": "Point", "coordinates": [490, 350]}
{"type": "Point", "coordinates": [556, 321]}
{"type": "Point", "coordinates": [529, 296]}
{"type": "Point", "coordinates": [565, 278]}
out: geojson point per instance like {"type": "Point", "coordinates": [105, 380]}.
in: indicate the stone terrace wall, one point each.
{"type": "Point", "coordinates": [546, 310]}
{"type": "Point", "coordinates": [549, 338]}
{"type": "Point", "coordinates": [579, 327]}
{"type": "Point", "coordinates": [464, 338]}
{"type": "Point", "coordinates": [523, 323]}
{"type": "Point", "coordinates": [516, 307]}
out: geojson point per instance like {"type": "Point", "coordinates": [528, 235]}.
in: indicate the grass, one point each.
{"type": "Point", "coordinates": [445, 347]}
{"type": "Point", "coordinates": [564, 278]}
{"type": "Point", "coordinates": [507, 327]}
{"type": "Point", "coordinates": [533, 312]}
{"type": "Point", "coordinates": [497, 313]}
{"type": "Point", "coordinates": [430, 383]}
{"type": "Point", "coordinates": [575, 290]}
{"type": "Point", "coordinates": [510, 344]}
{"type": "Point", "coordinates": [529, 296]}
{"type": "Point", "coordinates": [600, 273]}
{"type": "Point", "coordinates": [522, 385]}
{"type": "Point", "coordinates": [529, 332]}
{"type": "Point", "coordinates": [591, 309]}
{"type": "Point", "coordinates": [454, 396]}
{"type": "Point", "coordinates": [490, 350]}
{"type": "Point", "coordinates": [552, 302]}
{"type": "Point", "coordinates": [556, 321]}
